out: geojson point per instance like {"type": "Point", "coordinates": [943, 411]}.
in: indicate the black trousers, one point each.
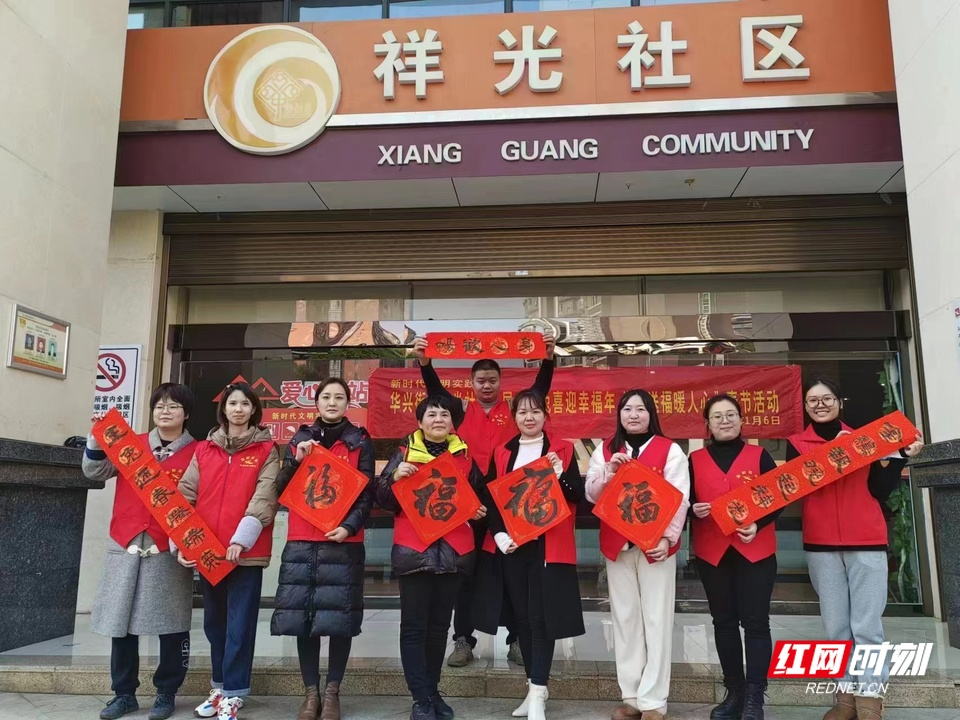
{"type": "Point", "coordinates": [426, 604]}
{"type": "Point", "coordinates": [308, 651]}
{"type": "Point", "coordinates": [523, 582]}
{"type": "Point", "coordinates": [463, 626]}
{"type": "Point", "coordinates": [739, 593]}
{"type": "Point", "coordinates": [125, 664]}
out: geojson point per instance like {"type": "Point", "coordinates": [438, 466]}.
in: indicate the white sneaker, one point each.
{"type": "Point", "coordinates": [211, 706]}
{"type": "Point", "coordinates": [229, 707]}
{"type": "Point", "coordinates": [524, 708]}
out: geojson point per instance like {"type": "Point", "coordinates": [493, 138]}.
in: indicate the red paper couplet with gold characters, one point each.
{"type": "Point", "coordinates": [810, 472]}
{"type": "Point", "coordinates": [530, 500]}
{"type": "Point", "coordinates": [323, 489]}
{"type": "Point", "coordinates": [473, 346]}
{"type": "Point", "coordinates": [639, 504]}
{"type": "Point", "coordinates": [158, 491]}
{"type": "Point", "coordinates": [437, 498]}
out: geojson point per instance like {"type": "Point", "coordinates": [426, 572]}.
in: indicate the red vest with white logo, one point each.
{"type": "Point", "coordinates": [844, 512]}
{"type": "Point", "coordinates": [460, 538]}
{"type": "Point", "coordinates": [300, 529]}
{"type": "Point", "coordinates": [709, 543]}
{"type": "Point", "coordinates": [654, 456]}
{"type": "Point", "coordinates": [560, 541]}
{"type": "Point", "coordinates": [484, 431]}
{"type": "Point", "coordinates": [227, 483]}
{"type": "Point", "coordinates": [130, 515]}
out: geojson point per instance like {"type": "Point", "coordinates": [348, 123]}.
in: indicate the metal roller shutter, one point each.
{"type": "Point", "coordinates": [730, 235]}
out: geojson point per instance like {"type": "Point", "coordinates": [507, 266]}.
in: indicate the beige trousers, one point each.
{"type": "Point", "coordinates": [642, 598]}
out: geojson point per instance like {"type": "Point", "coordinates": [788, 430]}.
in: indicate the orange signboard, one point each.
{"type": "Point", "coordinates": [473, 346]}
{"type": "Point", "coordinates": [728, 51]}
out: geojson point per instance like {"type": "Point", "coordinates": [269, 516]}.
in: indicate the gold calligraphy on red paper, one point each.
{"type": "Point", "coordinates": [530, 500]}
{"type": "Point", "coordinates": [158, 492]}
{"type": "Point", "coordinates": [810, 472]}
{"type": "Point", "coordinates": [323, 489]}
{"type": "Point", "coordinates": [503, 345]}
{"type": "Point", "coordinates": [639, 504]}
{"type": "Point", "coordinates": [436, 499]}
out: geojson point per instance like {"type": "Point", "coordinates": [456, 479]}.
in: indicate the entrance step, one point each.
{"type": "Point", "coordinates": [570, 680]}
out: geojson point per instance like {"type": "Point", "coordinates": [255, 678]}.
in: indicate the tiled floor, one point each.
{"type": "Point", "coordinates": [692, 640]}
{"type": "Point", "coordinates": [61, 707]}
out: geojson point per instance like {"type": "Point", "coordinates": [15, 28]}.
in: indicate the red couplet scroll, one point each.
{"type": "Point", "coordinates": [810, 472]}
{"type": "Point", "coordinates": [436, 499]}
{"type": "Point", "coordinates": [530, 500]}
{"type": "Point", "coordinates": [467, 346]}
{"type": "Point", "coordinates": [323, 489]}
{"type": "Point", "coordinates": [158, 491]}
{"type": "Point", "coordinates": [639, 504]}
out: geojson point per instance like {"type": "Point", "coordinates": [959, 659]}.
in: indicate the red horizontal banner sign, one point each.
{"type": "Point", "coordinates": [323, 489]}
{"type": "Point", "coordinates": [808, 473]}
{"type": "Point", "coordinates": [473, 346]}
{"type": "Point", "coordinates": [158, 491]}
{"type": "Point", "coordinates": [530, 500]}
{"type": "Point", "coordinates": [639, 504]}
{"type": "Point", "coordinates": [436, 499]}
{"type": "Point", "coordinates": [583, 401]}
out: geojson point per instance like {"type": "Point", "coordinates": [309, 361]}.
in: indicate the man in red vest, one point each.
{"type": "Point", "coordinates": [484, 424]}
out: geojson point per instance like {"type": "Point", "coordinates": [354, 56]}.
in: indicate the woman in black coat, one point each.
{"type": "Point", "coordinates": [321, 574]}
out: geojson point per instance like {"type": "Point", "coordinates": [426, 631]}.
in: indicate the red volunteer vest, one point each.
{"type": "Point", "coordinates": [300, 529]}
{"type": "Point", "coordinates": [130, 515]}
{"type": "Point", "coordinates": [482, 432]}
{"type": "Point", "coordinates": [709, 543]}
{"type": "Point", "coordinates": [227, 483]}
{"type": "Point", "coordinates": [560, 541]}
{"type": "Point", "coordinates": [843, 513]}
{"type": "Point", "coordinates": [460, 538]}
{"type": "Point", "coordinates": [654, 456]}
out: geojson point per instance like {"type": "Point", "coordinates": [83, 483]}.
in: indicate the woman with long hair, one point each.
{"type": "Point", "coordinates": [642, 585]}
{"type": "Point", "coordinates": [845, 539]}
{"type": "Point", "coordinates": [321, 574]}
{"type": "Point", "coordinates": [232, 483]}
{"type": "Point", "coordinates": [738, 571]}
{"type": "Point", "coordinates": [540, 576]}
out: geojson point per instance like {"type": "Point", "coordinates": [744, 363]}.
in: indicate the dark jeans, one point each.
{"type": "Point", "coordinates": [426, 603]}
{"type": "Point", "coordinates": [308, 650]}
{"type": "Point", "coordinates": [230, 613]}
{"type": "Point", "coordinates": [739, 593]}
{"type": "Point", "coordinates": [125, 664]}
{"type": "Point", "coordinates": [463, 626]}
{"type": "Point", "coordinates": [523, 582]}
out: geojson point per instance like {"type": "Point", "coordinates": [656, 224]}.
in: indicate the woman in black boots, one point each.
{"type": "Point", "coordinates": [737, 571]}
{"type": "Point", "coordinates": [321, 574]}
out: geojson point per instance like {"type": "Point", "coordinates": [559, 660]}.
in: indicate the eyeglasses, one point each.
{"type": "Point", "coordinates": [828, 401]}
{"type": "Point", "coordinates": [171, 408]}
{"type": "Point", "coordinates": [729, 417]}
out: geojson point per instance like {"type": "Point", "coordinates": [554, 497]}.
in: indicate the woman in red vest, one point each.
{"type": "Point", "coordinates": [429, 575]}
{"type": "Point", "coordinates": [845, 539]}
{"type": "Point", "coordinates": [143, 591]}
{"type": "Point", "coordinates": [321, 574]}
{"type": "Point", "coordinates": [738, 571]}
{"type": "Point", "coordinates": [540, 576]}
{"type": "Point", "coordinates": [232, 483]}
{"type": "Point", "coordinates": [642, 585]}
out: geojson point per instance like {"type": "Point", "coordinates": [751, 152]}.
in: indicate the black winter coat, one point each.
{"type": "Point", "coordinates": [439, 558]}
{"type": "Point", "coordinates": [321, 583]}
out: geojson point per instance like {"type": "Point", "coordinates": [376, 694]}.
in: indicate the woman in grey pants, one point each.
{"type": "Point", "coordinates": [845, 538]}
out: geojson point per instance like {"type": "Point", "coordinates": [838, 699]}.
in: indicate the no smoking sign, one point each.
{"type": "Point", "coordinates": [118, 375]}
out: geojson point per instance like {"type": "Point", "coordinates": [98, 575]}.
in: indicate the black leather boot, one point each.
{"type": "Point", "coordinates": [732, 706]}
{"type": "Point", "coordinates": [753, 706]}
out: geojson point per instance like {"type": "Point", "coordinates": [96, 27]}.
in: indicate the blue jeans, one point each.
{"type": "Point", "coordinates": [230, 612]}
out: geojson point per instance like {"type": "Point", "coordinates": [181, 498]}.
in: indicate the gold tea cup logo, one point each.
{"type": "Point", "coordinates": [272, 90]}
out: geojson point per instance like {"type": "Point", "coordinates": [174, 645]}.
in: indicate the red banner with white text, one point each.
{"type": "Point", "coordinates": [583, 401]}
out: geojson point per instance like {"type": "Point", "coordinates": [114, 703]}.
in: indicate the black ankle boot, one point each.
{"type": "Point", "coordinates": [732, 706]}
{"type": "Point", "coordinates": [753, 706]}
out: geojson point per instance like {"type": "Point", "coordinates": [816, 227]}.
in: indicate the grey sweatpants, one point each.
{"type": "Point", "coordinates": [852, 587]}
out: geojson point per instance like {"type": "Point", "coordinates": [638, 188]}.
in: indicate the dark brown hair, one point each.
{"type": "Point", "coordinates": [332, 381]}
{"type": "Point", "coordinates": [249, 394]}
{"type": "Point", "coordinates": [175, 392]}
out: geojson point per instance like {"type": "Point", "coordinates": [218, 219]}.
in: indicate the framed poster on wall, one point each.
{"type": "Point", "coordinates": [38, 343]}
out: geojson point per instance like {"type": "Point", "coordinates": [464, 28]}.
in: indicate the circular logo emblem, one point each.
{"type": "Point", "coordinates": [272, 90]}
